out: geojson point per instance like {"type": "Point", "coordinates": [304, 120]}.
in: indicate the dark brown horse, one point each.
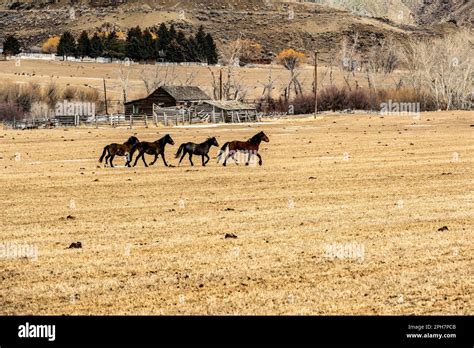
{"type": "Point", "coordinates": [250, 147]}
{"type": "Point", "coordinates": [155, 148]}
{"type": "Point", "coordinates": [197, 149]}
{"type": "Point", "coordinates": [113, 150]}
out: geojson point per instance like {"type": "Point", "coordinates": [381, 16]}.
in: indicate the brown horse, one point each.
{"type": "Point", "coordinates": [118, 150]}
{"type": "Point", "coordinates": [250, 147]}
{"type": "Point", "coordinates": [155, 148]}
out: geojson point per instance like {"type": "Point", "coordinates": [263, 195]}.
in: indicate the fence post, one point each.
{"type": "Point", "coordinates": [146, 121]}
{"type": "Point", "coordinates": [213, 114]}
{"type": "Point", "coordinates": [131, 121]}
{"type": "Point", "coordinates": [165, 119]}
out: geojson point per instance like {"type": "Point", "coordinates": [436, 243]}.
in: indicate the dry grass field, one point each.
{"type": "Point", "coordinates": [153, 239]}
{"type": "Point", "coordinates": [91, 75]}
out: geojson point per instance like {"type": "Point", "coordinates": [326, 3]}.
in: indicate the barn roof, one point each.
{"type": "Point", "coordinates": [230, 105]}
{"type": "Point", "coordinates": [178, 93]}
{"type": "Point", "coordinates": [186, 92]}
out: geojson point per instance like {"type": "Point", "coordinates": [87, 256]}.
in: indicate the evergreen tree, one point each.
{"type": "Point", "coordinates": [148, 51]}
{"type": "Point", "coordinates": [175, 52]}
{"type": "Point", "coordinates": [134, 43]}
{"type": "Point", "coordinates": [201, 45]}
{"type": "Point", "coordinates": [96, 46]}
{"type": "Point", "coordinates": [192, 50]}
{"type": "Point", "coordinates": [83, 45]}
{"type": "Point", "coordinates": [11, 46]}
{"type": "Point", "coordinates": [211, 50]}
{"type": "Point", "coordinates": [113, 48]}
{"type": "Point", "coordinates": [67, 45]}
{"type": "Point", "coordinates": [163, 37]}
{"type": "Point", "coordinates": [172, 33]}
{"type": "Point", "coordinates": [184, 50]}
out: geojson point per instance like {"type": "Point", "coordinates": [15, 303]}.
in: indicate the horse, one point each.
{"type": "Point", "coordinates": [197, 149]}
{"type": "Point", "coordinates": [250, 146]}
{"type": "Point", "coordinates": [119, 150]}
{"type": "Point", "coordinates": [155, 148]}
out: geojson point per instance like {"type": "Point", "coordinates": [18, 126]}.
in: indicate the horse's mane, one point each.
{"type": "Point", "coordinates": [255, 138]}
{"type": "Point", "coordinates": [162, 139]}
{"type": "Point", "coordinates": [131, 140]}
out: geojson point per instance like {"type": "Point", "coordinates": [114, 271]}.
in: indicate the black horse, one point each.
{"type": "Point", "coordinates": [197, 149]}
{"type": "Point", "coordinates": [155, 148]}
{"type": "Point", "coordinates": [113, 150]}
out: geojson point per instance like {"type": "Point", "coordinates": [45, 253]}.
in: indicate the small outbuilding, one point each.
{"type": "Point", "coordinates": [231, 111]}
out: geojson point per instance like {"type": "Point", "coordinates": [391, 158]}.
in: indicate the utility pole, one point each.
{"type": "Point", "coordinates": [315, 84]}
{"type": "Point", "coordinates": [220, 84]}
{"type": "Point", "coordinates": [105, 98]}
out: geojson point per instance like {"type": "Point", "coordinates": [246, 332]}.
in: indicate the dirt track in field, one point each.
{"type": "Point", "coordinates": [373, 191]}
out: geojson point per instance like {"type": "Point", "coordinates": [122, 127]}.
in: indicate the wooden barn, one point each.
{"type": "Point", "coordinates": [167, 96]}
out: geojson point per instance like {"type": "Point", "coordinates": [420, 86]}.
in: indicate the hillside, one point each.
{"type": "Point", "coordinates": [275, 24]}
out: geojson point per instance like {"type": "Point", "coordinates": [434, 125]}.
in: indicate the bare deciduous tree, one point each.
{"type": "Point", "coordinates": [124, 73]}
{"type": "Point", "coordinates": [233, 87]}
{"type": "Point", "coordinates": [443, 69]}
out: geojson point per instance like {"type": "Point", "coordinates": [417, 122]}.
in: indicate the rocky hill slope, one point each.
{"type": "Point", "coordinates": [305, 25]}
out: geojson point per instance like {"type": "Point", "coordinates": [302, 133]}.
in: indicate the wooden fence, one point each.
{"type": "Point", "coordinates": [164, 116]}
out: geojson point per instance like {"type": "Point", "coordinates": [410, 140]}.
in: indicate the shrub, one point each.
{"type": "Point", "coordinates": [9, 112]}
{"type": "Point", "coordinates": [333, 98]}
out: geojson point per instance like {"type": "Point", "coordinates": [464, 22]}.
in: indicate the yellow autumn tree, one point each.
{"type": "Point", "coordinates": [291, 60]}
{"type": "Point", "coordinates": [121, 35]}
{"type": "Point", "coordinates": [50, 45]}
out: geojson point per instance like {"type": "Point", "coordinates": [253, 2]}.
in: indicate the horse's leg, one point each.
{"type": "Point", "coordinates": [111, 159]}
{"type": "Point", "coordinates": [249, 155]}
{"type": "Point", "coordinates": [107, 159]}
{"type": "Point", "coordinates": [184, 154]}
{"type": "Point", "coordinates": [233, 157]}
{"type": "Point", "coordinates": [136, 159]}
{"type": "Point", "coordinates": [163, 158]}
{"type": "Point", "coordinates": [227, 157]}
{"type": "Point", "coordinates": [154, 161]}
{"type": "Point", "coordinates": [203, 163]}
{"type": "Point", "coordinates": [259, 159]}
{"type": "Point", "coordinates": [143, 158]}
{"type": "Point", "coordinates": [207, 159]}
{"type": "Point", "coordinates": [191, 158]}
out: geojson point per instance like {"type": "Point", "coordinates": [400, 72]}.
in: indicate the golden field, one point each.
{"type": "Point", "coordinates": [251, 79]}
{"type": "Point", "coordinates": [153, 238]}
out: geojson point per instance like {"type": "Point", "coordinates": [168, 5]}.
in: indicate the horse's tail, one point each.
{"type": "Point", "coordinates": [180, 150]}
{"type": "Point", "coordinates": [222, 151]}
{"type": "Point", "coordinates": [103, 153]}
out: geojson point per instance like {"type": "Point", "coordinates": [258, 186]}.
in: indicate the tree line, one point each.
{"type": "Point", "coordinates": [165, 44]}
